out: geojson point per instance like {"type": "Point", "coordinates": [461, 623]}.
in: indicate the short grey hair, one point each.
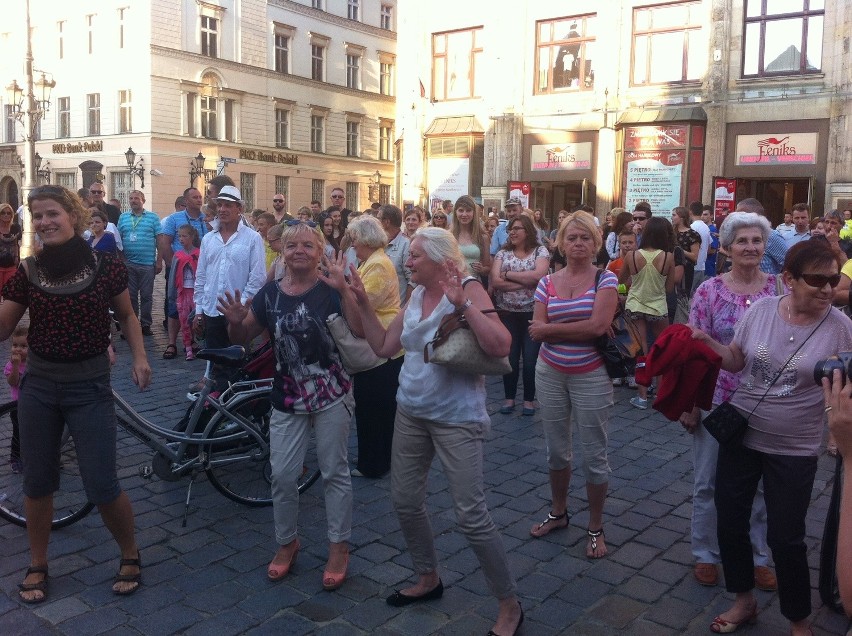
{"type": "Point", "coordinates": [751, 205]}
{"type": "Point", "coordinates": [366, 230]}
{"type": "Point", "coordinates": [440, 246]}
{"type": "Point", "coordinates": [737, 221]}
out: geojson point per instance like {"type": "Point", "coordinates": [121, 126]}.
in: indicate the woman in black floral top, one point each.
{"type": "Point", "coordinates": [69, 290]}
{"type": "Point", "coordinates": [689, 241]}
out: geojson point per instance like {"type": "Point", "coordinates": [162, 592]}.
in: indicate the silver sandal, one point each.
{"type": "Point", "coordinates": [550, 517]}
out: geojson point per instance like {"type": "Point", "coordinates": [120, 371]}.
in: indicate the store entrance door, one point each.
{"type": "Point", "coordinates": [777, 195]}
{"type": "Point", "coordinates": [568, 195]}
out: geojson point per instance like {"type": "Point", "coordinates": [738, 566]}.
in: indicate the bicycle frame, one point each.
{"type": "Point", "coordinates": [226, 405]}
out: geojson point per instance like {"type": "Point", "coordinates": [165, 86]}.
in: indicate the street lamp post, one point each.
{"type": "Point", "coordinates": [375, 183]}
{"type": "Point", "coordinates": [135, 168]}
{"type": "Point", "coordinates": [196, 168]}
{"type": "Point", "coordinates": [28, 110]}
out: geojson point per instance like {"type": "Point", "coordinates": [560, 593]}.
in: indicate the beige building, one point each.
{"type": "Point", "coordinates": [617, 101]}
{"type": "Point", "coordinates": [280, 95]}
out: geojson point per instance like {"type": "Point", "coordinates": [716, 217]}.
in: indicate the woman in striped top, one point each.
{"type": "Point", "coordinates": [572, 308]}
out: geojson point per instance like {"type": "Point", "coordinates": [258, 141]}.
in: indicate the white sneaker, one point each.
{"type": "Point", "coordinates": [631, 382]}
{"type": "Point", "coordinates": [639, 403]}
{"type": "Point", "coordinates": [618, 382]}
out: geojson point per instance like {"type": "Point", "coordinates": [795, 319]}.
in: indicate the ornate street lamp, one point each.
{"type": "Point", "coordinates": [375, 182]}
{"type": "Point", "coordinates": [196, 168]}
{"type": "Point", "coordinates": [135, 167]}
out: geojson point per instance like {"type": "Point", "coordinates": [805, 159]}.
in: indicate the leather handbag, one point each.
{"type": "Point", "coordinates": [726, 424]}
{"type": "Point", "coordinates": [619, 363]}
{"type": "Point", "coordinates": [455, 346]}
{"type": "Point", "coordinates": [355, 353]}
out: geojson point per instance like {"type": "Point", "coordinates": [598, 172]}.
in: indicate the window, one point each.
{"type": "Point", "coordinates": [209, 106]}
{"type": "Point", "coordinates": [121, 13]}
{"type": "Point", "coordinates": [209, 36]}
{"type": "Point", "coordinates": [282, 185]}
{"type": "Point", "coordinates": [90, 32]}
{"type": "Point", "coordinates": [190, 114]}
{"type": "Point", "coordinates": [454, 58]}
{"type": "Point", "coordinates": [282, 128]}
{"type": "Point", "coordinates": [352, 198]}
{"type": "Point", "coordinates": [63, 109]}
{"type": "Point", "coordinates": [353, 136]}
{"type": "Point", "coordinates": [668, 44]}
{"type": "Point", "coordinates": [353, 71]}
{"type": "Point", "coordinates": [125, 112]}
{"type": "Point", "coordinates": [565, 50]}
{"type": "Point", "coordinates": [384, 193]}
{"type": "Point", "coordinates": [60, 27]}
{"type": "Point", "coordinates": [783, 37]}
{"type": "Point", "coordinates": [120, 187]}
{"type": "Point", "coordinates": [386, 17]}
{"type": "Point", "coordinates": [352, 11]}
{"type": "Point", "coordinates": [317, 189]}
{"type": "Point", "coordinates": [385, 136]}
{"type": "Point", "coordinates": [316, 4]}
{"type": "Point", "coordinates": [247, 181]}
{"type": "Point", "coordinates": [386, 78]}
{"type": "Point", "coordinates": [317, 133]}
{"type": "Point", "coordinates": [67, 180]}
{"type": "Point", "coordinates": [11, 135]}
{"type": "Point", "coordinates": [282, 53]}
{"type": "Point", "coordinates": [230, 120]}
{"type": "Point", "coordinates": [318, 62]}
{"type": "Point", "coordinates": [93, 107]}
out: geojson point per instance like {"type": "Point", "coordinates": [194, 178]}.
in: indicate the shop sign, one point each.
{"type": "Point", "coordinates": [520, 190]}
{"type": "Point", "coordinates": [655, 137]}
{"type": "Point", "coordinates": [654, 177]}
{"type": "Point", "coordinates": [794, 148]}
{"type": "Point", "coordinates": [724, 194]}
{"type": "Point", "coordinates": [561, 156]}
{"type": "Point", "coordinates": [448, 178]}
{"type": "Point", "coordinates": [83, 146]}
{"type": "Point", "coordinates": [269, 157]}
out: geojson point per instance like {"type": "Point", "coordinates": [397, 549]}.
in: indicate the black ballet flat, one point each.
{"type": "Point", "coordinates": [398, 599]}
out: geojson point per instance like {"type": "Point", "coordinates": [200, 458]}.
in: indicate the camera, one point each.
{"type": "Point", "coordinates": [825, 368]}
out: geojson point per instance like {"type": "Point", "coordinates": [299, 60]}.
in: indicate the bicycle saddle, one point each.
{"type": "Point", "coordinates": [228, 356]}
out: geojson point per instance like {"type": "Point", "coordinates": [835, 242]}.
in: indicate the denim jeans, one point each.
{"type": "Point", "coordinates": [518, 322]}
{"type": "Point", "coordinates": [140, 284]}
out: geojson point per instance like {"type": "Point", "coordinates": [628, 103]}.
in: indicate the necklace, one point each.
{"type": "Point", "coordinates": [790, 316]}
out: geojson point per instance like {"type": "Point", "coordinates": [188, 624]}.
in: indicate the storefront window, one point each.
{"type": "Point", "coordinates": [565, 49]}
{"type": "Point", "coordinates": [669, 45]}
{"type": "Point", "coordinates": [783, 37]}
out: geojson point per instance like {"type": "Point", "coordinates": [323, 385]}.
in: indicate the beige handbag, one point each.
{"type": "Point", "coordinates": [455, 346]}
{"type": "Point", "coordinates": [355, 353]}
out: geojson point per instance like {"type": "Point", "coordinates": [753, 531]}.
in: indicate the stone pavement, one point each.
{"type": "Point", "coordinates": [210, 577]}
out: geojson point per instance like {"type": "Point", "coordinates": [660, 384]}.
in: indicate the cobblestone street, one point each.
{"type": "Point", "coordinates": [210, 577]}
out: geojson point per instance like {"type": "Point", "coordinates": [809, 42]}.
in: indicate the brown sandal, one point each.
{"type": "Point", "coordinates": [128, 578]}
{"type": "Point", "coordinates": [170, 353]}
{"type": "Point", "coordinates": [38, 586]}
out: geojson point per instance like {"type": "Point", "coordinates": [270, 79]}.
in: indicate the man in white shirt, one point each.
{"type": "Point", "coordinates": [801, 225]}
{"type": "Point", "coordinates": [231, 258]}
{"type": "Point", "coordinates": [501, 233]}
{"type": "Point", "coordinates": [787, 227]}
{"type": "Point", "coordinates": [695, 210]}
{"type": "Point", "coordinates": [390, 217]}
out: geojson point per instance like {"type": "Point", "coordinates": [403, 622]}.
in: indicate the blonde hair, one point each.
{"type": "Point", "coordinates": [367, 231]}
{"type": "Point", "coordinates": [440, 246]}
{"type": "Point", "coordinates": [586, 222]}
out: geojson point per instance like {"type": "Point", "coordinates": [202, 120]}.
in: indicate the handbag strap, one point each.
{"type": "Point", "coordinates": [784, 366]}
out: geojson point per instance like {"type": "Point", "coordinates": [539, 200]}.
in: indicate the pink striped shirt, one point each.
{"type": "Point", "coordinates": [571, 357]}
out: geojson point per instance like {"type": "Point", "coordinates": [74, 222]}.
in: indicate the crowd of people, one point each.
{"type": "Point", "coordinates": [762, 299]}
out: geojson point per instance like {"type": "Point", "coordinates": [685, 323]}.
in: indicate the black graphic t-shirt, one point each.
{"type": "Point", "coordinates": [309, 376]}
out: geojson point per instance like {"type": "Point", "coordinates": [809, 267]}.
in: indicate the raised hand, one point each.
{"type": "Point", "coordinates": [232, 307]}
{"type": "Point", "coordinates": [334, 272]}
{"type": "Point", "coordinates": [452, 286]}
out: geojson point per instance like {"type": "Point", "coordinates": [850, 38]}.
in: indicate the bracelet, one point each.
{"type": "Point", "coordinates": [467, 303]}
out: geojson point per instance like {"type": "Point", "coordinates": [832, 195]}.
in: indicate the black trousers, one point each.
{"type": "Point", "coordinates": [216, 337]}
{"type": "Point", "coordinates": [787, 484]}
{"type": "Point", "coordinates": [518, 324]}
{"type": "Point", "coordinates": [375, 412]}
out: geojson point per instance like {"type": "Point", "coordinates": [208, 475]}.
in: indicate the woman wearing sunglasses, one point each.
{"type": "Point", "coordinates": [776, 345]}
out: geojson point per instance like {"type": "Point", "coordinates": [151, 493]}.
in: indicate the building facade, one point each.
{"type": "Point", "coordinates": [283, 96]}
{"type": "Point", "coordinates": [618, 101]}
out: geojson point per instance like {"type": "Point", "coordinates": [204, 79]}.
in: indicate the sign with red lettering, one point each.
{"type": "Point", "coordinates": [520, 190]}
{"type": "Point", "coordinates": [724, 194]}
{"type": "Point", "coordinates": [777, 149]}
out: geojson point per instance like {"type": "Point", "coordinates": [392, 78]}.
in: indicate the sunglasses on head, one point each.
{"type": "Point", "coordinates": [818, 281]}
{"type": "Point", "coordinates": [294, 222]}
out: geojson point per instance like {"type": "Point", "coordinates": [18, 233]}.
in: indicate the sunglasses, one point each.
{"type": "Point", "coordinates": [97, 192]}
{"type": "Point", "coordinates": [818, 281]}
{"type": "Point", "coordinates": [278, 200]}
{"type": "Point", "coordinates": [337, 196]}
{"type": "Point", "coordinates": [295, 222]}
{"type": "Point", "coordinates": [439, 217]}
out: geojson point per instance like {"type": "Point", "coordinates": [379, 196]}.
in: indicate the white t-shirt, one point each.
{"type": "Point", "coordinates": [704, 231]}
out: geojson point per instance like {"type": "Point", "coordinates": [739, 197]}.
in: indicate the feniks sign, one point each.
{"type": "Point", "coordinates": [792, 148]}
{"type": "Point", "coordinates": [561, 156]}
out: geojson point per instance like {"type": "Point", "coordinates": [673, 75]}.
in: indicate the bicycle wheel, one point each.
{"type": "Point", "coordinates": [238, 469]}
{"type": "Point", "coordinates": [69, 502]}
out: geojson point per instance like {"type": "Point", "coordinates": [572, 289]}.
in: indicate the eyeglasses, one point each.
{"type": "Point", "coordinates": [818, 281]}
{"type": "Point", "coordinates": [278, 200]}
{"type": "Point", "coordinates": [640, 218]}
{"type": "Point", "coordinates": [337, 196]}
{"type": "Point", "coordinates": [295, 222]}
{"type": "Point", "coordinates": [517, 228]}
{"type": "Point", "coordinates": [97, 192]}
